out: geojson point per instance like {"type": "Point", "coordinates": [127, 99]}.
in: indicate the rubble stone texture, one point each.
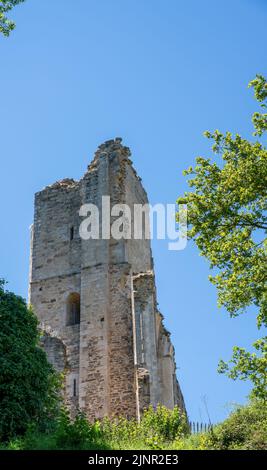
{"type": "Point", "coordinates": [96, 299]}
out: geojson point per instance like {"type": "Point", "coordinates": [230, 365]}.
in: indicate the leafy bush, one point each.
{"type": "Point", "coordinates": [199, 441]}
{"type": "Point", "coordinates": [72, 434]}
{"type": "Point", "coordinates": [29, 387]}
{"type": "Point", "coordinates": [164, 423]}
{"type": "Point", "coordinates": [156, 428]}
{"type": "Point", "coordinates": [78, 433]}
{"type": "Point", "coordinates": [246, 428]}
{"type": "Point", "coordinates": [119, 430]}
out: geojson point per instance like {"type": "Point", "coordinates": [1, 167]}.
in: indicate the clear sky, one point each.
{"type": "Point", "coordinates": [157, 73]}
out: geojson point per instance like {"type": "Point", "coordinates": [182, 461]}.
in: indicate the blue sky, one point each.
{"type": "Point", "coordinates": [157, 73]}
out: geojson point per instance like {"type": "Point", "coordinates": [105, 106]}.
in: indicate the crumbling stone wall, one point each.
{"type": "Point", "coordinates": [118, 359]}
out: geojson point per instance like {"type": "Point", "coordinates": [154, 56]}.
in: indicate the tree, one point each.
{"type": "Point", "coordinates": [28, 385]}
{"type": "Point", "coordinates": [6, 26]}
{"type": "Point", "coordinates": [228, 221]}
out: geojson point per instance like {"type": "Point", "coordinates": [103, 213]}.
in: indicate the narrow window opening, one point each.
{"type": "Point", "coordinates": [71, 233]}
{"type": "Point", "coordinates": [74, 388]}
{"type": "Point", "coordinates": [73, 309]}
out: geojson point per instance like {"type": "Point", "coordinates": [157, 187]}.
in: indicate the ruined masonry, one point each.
{"type": "Point", "coordinates": [96, 299]}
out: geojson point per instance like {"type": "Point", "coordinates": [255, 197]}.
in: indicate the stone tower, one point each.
{"type": "Point", "coordinates": [96, 299]}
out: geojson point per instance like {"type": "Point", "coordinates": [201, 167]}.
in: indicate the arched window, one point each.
{"type": "Point", "coordinates": [73, 309]}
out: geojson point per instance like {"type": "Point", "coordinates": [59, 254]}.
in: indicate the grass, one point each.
{"type": "Point", "coordinates": [49, 442]}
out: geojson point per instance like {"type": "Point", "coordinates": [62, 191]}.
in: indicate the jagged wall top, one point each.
{"type": "Point", "coordinates": [111, 148]}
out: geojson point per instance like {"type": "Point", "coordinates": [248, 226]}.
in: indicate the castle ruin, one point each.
{"type": "Point", "coordinates": [96, 299]}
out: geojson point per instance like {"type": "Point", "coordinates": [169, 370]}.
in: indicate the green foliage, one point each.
{"type": "Point", "coordinates": [227, 217]}
{"type": "Point", "coordinates": [156, 428]}
{"type": "Point", "coordinates": [253, 366]}
{"type": "Point", "coordinates": [6, 26]}
{"type": "Point", "coordinates": [246, 428]}
{"type": "Point", "coordinates": [76, 434]}
{"type": "Point", "coordinates": [28, 385]}
{"type": "Point", "coordinates": [168, 424]}
{"type": "Point", "coordinates": [200, 441]}
{"type": "Point", "coordinates": [260, 89]}
{"type": "Point", "coordinates": [119, 431]}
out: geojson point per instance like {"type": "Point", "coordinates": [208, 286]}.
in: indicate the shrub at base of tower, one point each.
{"type": "Point", "coordinates": [160, 429]}
{"type": "Point", "coordinates": [156, 430]}
{"type": "Point", "coordinates": [245, 428]}
{"type": "Point", "coordinates": [29, 387]}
